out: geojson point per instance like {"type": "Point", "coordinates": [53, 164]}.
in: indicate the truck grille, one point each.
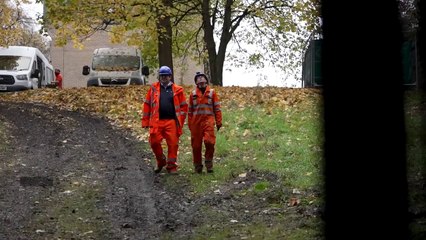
{"type": "Point", "coordinates": [7, 79]}
{"type": "Point", "coordinates": [114, 81]}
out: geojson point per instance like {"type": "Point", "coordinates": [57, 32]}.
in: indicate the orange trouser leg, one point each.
{"type": "Point", "coordinates": [209, 143]}
{"type": "Point", "coordinates": [169, 132]}
{"type": "Point", "coordinates": [167, 129]}
{"type": "Point", "coordinates": [196, 143]}
{"type": "Point", "coordinates": [155, 140]}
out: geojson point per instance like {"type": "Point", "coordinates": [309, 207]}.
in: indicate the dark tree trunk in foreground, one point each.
{"type": "Point", "coordinates": [421, 6]}
{"type": "Point", "coordinates": [421, 46]}
{"type": "Point", "coordinates": [365, 159]}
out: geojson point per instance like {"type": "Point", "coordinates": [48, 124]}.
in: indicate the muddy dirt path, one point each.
{"type": "Point", "coordinates": [53, 157]}
{"type": "Point", "coordinates": [70, 175]}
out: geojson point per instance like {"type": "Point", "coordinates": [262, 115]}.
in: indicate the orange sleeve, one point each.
{"type": "Point", "coordinates": [190, 109]}
{"type": "Point", "coordinates": [217, 109]}
{"type": "Point", "coordinates": [147, 109]}
{"type": "Point", "coordinates": [184, 107]}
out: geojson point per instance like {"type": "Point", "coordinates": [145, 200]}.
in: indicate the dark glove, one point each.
{"type": "Point", "coordinates": [218, 127]}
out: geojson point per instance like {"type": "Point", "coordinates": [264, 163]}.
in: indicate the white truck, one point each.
{"type": "Point", "coordinates": [116, 67]}
{"type": "Point", "coordinates": [24, 68]}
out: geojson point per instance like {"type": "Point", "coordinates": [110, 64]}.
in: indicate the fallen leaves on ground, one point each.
{"type": "Point", "coordinates": [123, 105]}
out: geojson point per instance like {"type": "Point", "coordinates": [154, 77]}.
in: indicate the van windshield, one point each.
{"type": "Point", "coordinates": [115, 63]}
{"type": "Point", "coordinates": [16, 63]}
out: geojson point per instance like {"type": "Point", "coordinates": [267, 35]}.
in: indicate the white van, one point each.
{"type": "Point", "coordinates": [116, 67]}
{"type": "Point", "coordinates": [24, 68]}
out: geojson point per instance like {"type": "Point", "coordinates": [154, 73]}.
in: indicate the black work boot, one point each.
{"type": "Point", "coordinates": [172, 166]}
{"type": "Point", "coordinates": [209, 165]}
{"type": "Point", "coordinates": [198, 168]}
{"type": "Point", "coordinates": [160, 165]}
{"type": "Point", "coordinates": [158, 169]}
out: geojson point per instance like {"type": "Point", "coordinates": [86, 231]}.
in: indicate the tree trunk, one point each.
{"type": "Point", "coordinates": [220, 60]}
{"type": "Point", "coordinates": [209, 40]}
{"type": "Point", "coordinates": [216, 60]}
{"type": "Point", "coordinates": [421, 37]}
{"type": "Point", "coordinates": [421, 5]}
{"type": "Point", "coordinates": [164, 29]}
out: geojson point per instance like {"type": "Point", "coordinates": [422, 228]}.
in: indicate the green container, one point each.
{"type": "Point", "coordinates": [311, 66]}
{"type": "Point", "coordinates": [409, 63]}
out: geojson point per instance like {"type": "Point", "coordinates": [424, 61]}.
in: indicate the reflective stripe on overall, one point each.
{"type": "Point", "coordinates": [203, 112]}
{"type": "Point", "coordinates": [169, 129]}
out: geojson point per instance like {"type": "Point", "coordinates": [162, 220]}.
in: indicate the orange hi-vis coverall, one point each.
{"type": "Point", "coordinates": [170, 129]}
{"type": "Point", "coordinates": [204, 110]}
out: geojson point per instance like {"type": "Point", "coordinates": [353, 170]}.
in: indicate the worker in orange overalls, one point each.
{"type": "Point", "coordinates": [164, 113]}
{"type": "Point", "coordinates": [204, 111]}
{"type": "Point", "coordinates": [58, 78]}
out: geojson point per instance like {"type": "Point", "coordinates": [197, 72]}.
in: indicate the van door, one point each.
{"type": "Point", "coordinates": [40, 67]}
{"type": "Point", "coordinates": [35, 75]}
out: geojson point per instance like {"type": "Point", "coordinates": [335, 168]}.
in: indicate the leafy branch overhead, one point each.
{"type": "Point", "coordinates": [17, 28]}
{"type": "Point", "coordinates": [274, 31]}
{"type": "Point", "coordinates": [201, 29]}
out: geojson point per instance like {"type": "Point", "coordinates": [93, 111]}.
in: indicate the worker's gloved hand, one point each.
{"type": "Point", "coordinates": [218, 127]}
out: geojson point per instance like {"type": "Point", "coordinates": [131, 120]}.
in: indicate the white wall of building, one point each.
{"type": "Point", "coordinates": [71, 60]}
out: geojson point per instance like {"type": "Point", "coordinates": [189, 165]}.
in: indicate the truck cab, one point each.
{"type": "Point", "coordinates": [116, 67]}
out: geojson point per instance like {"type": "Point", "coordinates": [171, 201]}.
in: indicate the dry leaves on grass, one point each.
{"type": "Point", "coordinates": [123, 105]}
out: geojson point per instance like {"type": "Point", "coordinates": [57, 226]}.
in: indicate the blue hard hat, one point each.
{"type": "Point", "coordinates": [164, 70]}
